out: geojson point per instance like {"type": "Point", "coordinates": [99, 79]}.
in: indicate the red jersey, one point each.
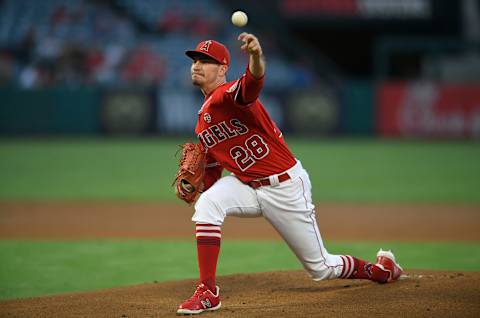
{"type": "Point", "coordinates": [239, 134]}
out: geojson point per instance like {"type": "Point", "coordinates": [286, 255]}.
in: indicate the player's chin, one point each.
{"type": "Point", "coordinates": [196, 80]}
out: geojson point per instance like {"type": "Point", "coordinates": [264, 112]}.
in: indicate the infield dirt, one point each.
{"type": "Point", "coordinates": [419, 293]}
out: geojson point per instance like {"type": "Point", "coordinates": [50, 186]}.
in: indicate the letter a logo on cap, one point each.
{"type": "Point", "coordinates": [206, 46]}
{"type": "Point", "coordinates": [211, 48]}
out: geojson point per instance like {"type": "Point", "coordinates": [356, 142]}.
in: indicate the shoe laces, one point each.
{"type": "Point", "coordinates": [200, 290]}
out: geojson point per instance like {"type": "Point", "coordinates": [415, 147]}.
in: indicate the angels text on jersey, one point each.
{"type": "Point", "coordinates": [254, 148]}
{"type": "Point", "coordinates": [222, 131]}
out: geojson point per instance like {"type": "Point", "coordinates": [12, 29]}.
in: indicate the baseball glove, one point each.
{"type": "Point", "coordinates": [189, 179]}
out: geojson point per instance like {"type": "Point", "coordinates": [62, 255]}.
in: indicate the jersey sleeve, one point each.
{"type": "Point", "coordinates": [246, 89]}
{"type": "Point", "coordinates": [213, 172]}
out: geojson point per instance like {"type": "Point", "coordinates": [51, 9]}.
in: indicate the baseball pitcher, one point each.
{"type": "Point", "coordinates": [236, 133]}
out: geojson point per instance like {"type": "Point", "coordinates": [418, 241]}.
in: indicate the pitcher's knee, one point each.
{"type": "Point", "coordinates": [207, 211]}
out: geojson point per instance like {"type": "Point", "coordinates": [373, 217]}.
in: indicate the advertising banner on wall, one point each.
{"type": "Point", "coordinates": [428, 110]}
{"type": "Point", "coordinates": [314, 112]}
{"type": "Point", "coordinates": [126, 112]}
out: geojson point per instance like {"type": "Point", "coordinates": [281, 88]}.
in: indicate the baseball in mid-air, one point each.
{"type": "Point", "coordinates": [239, 18]}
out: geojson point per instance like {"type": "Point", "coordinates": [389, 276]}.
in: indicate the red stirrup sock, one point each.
{"type": "Point", "coordinates": [208, 248]}
{"type": "Point", "coordinates": [355, 268]}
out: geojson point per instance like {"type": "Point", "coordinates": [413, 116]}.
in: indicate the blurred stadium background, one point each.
{"type": "Point", "coordinates": [380, 99]}
{"type": "Point", "coordinates": [407, 68]}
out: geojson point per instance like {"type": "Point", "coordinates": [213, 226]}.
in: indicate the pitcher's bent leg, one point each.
{"type": "Point", "coordinates": [228, 196]}
{"type": "Point", "coordinates": [300, 232]}
{"type": "Point", "coordinates": [288, 207]}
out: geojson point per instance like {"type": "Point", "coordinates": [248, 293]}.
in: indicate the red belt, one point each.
{"type": "Point", "coordinates": [266, 182]}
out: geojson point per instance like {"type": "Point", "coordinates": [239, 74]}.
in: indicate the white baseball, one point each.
{"type": "Point", "coordinates": [239, 18]}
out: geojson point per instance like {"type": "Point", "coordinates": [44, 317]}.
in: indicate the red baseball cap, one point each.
{"type": "Point", "coordinates": [212, 49]}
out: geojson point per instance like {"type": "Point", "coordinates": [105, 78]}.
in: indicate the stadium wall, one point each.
{"type": "Point", "coordinates": [362, 108]}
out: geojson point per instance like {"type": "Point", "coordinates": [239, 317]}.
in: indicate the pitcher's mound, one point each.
{"type": "Point", "coordinates": [279, 294]}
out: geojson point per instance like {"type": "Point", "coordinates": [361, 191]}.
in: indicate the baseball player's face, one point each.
{"type": "Point", "coordinates": [206, 71]}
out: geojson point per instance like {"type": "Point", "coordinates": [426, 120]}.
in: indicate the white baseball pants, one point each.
{"type": "Point", "coordinates": [287, 206]}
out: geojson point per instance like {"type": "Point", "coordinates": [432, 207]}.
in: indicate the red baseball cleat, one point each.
{"type": "Point", "coordinates": [202, 300]}
{"type": "Point", "coordinates": [386, 270]}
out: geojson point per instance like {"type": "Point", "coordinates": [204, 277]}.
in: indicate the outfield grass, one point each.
{"type": "Point", "coordinates": [34, 268]}
{"type": "Point", "coordinates": [141, 169]}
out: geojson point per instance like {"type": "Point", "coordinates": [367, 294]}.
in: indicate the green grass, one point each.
{"type": "Point", "coordinates": [394, 171]}
{"type": "Point", "coordinates": [143, 169]}
{"type": "Point", "coordinates": [93, 169]}
{"type": "Point", "coordinates": [34, 268]}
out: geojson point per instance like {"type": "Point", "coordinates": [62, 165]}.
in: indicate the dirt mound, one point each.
{"type": "Point", "coordinates": [279, 294]}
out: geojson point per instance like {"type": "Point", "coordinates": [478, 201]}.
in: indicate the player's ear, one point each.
{"type": "Point", "coordinates": [223, 69]}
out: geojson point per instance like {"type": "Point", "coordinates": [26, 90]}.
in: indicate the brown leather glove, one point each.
{"type": "Point", "coordinates": [189, 179]}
